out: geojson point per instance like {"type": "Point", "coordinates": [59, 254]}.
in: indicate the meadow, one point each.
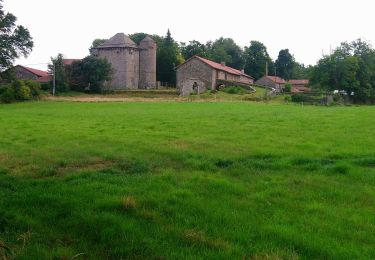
{"type": "Point", "coordinates": [186, 180]}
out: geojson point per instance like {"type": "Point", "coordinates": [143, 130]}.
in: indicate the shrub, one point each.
{"type": "Point", "coordinates": [47, 86]}
{"type": "Point", "coordinates": [287, 88]}
{"type": "Point", "coordinates": [234, 90]}
{"type": "Point", "coordinates": [7, 96]}
{"type": "Point", "coordinates": [34, 87]}
{"type": "Point", "coordinates": [287, 99]}
{"type": "Point", "coordinates": [20, 91]}
{"type": "Point", "coordinates": [300, 98]}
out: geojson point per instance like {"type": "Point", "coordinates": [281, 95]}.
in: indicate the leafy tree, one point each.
{"type": "Point", "coordinates": [138, 37]}
{"type": "Point", "coordinates": [257, 59]}
{"type": "Point", "coordinates": [58, 68]}
{"type": "Point", "coordinates": [351, 67]}
{"type": "Point", "coordinates": [15, 41]}
{"type": "Point", "coordinates": [300, 71]}
{"type": "Point", "coordinates": [285, 64]}
{"type": "Point", "coordinates": [192, 49]}
{"type": "Point", "coordinates": [97, 42]}
{"type": "Point", "coordinates": [90, 74]}
{"type": "Point", "coordinates": [226, 50]}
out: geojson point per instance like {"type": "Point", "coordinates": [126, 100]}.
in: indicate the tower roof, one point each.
{"type": "Point", "coordinates": [119, 40]}
{"type": "Point", "coordinates": [148, 39]}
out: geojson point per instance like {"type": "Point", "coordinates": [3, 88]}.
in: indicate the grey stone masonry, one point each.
{"type": "Point", "coordinates": [133, 66]}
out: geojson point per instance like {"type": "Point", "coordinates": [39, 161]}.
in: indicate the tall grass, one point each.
{"type": "Point", "coordinates": [186, 180]}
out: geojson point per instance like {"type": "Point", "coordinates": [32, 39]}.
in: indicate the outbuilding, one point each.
{"type": "Point", "coordinates": [198, 74]}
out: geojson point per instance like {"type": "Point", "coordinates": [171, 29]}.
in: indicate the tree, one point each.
{"type": "Point", "coordinates": [300, 71]}
{"type": "Point", "coordinates": [285, 64]}
{"type": "Point", "coordinates": [90, 74]}
{"type": "Point", "coordinates": [192, 49]}
{"type": "Point", "coordinates": [351, 67]}
{"type": "Point", "coordinates": [257, 59]}
{"type": "Point", "coordinates": [97, 42]}
{"type": "Point", "coordinates": [226, 50]}
{"type": "Point", "coordinates": [167, 58]}
{"type": "Point", "coordinates": [15, 40]}
{"type": "Point", "coordinates": [58, 68]}
{"type": "Point", "coordinates": [138, 37]}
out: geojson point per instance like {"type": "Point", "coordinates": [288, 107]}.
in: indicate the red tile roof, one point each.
{"type": "Point", "coordinates": [276, 79]}
{"type": "Point", "coordinates": [221, 67]}
{"type": "Point", "coordinates": [45, 79]}
{"type": "Point", "coordinates": [300, 89]}
{"type": "Point", "coordinates": [299, 81]}
{"type": "Point", "coordinates": [39, 73]}
{"type": "Point", "coordinates": [69, 61]}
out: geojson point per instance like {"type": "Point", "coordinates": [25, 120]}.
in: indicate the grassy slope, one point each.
{"type": "Point", "coordinates": [210, 180]}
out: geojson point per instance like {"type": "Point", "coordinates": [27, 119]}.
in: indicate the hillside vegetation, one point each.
{"type": "Point", "coordinates": [186, 180]}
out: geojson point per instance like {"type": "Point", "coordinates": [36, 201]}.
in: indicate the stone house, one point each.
{"type": "Point", "coordinates": [299, 85]}
{"type": "Point", "coordinates": [26, 73]}
{"type": "Point", "coordinates": [198, 74]}
{"type": "Point", "coordinates": [272, 82]}
{"type": "Point", "coordinates": [133, 66]}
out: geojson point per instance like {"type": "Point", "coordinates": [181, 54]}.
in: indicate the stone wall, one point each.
{"type": "Point", "coordinates": [125, 67]}
{"type": "Point", "coordinates": [266, 82]}
{"type": "Point", "coordinates": [23, 74]}
{"type": "Point", "coordinates": [147, 63]}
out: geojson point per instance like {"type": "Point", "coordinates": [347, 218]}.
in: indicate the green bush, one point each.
{"type": "Point", "coordinates": [287, 88]}
{"type": "Point", "coordinates": [287, 99]}
{"type": "Point", "coordinates": [20, 90]}
{"type": "Point", "coordinates": [34, 87]}
{"type": "Point", "coordinates": [47, 86]}
{"type": "Point", "coordinates": [7, 96]}
{"type": "Point", "coordinates": [234, 90]}
{"type": "Point", "coordinates": [300, 98]}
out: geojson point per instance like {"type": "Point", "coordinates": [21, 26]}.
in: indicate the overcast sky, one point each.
{"type": "Point", "coordinates": [306, 27]}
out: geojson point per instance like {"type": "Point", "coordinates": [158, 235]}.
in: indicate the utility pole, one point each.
{"type": "Point", "coordinates": [54, 79]}
{"type": "Point", "coordinates": [266, 68]}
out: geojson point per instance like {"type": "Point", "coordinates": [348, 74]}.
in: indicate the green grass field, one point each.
{"type": "Point", "coordinates": [187, 180]}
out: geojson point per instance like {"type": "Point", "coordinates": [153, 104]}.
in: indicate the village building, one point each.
{"type": "Point", "coordinates": [133, 66]}
{"type": "Point", "coordinates": [26, 73]}
{"type": "Point", "coordinates": [277, 83]}
{"type": "Point", "coordinates": [299, 85]}
{"type": "Point", "coordinates": [198, 74]}
{"type": "Point", "coordinates": [272, 82]}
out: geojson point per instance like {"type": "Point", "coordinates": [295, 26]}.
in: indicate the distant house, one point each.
{"type": "Point", "coordinates": [299, 85]}
{"type": "Point", "coordinates": [272, 82]}
{"type": "Point", "coordinates": [26, 73]}
{"type": "Point", "coordinates": [198, 74]}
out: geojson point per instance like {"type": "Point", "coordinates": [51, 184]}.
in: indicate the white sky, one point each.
{"type": "Point", "coordinates": [306, 27]}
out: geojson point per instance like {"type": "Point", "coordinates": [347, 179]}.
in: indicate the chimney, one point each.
{"type": "Point", "coordinates": [243, 71]}
{"type": "Point", "coordinates": [222, 63]}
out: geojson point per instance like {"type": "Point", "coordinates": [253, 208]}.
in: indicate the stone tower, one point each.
{"type": "Point", "coordinates": [133, 66]}
{"type": "Point", "coordinates": [147, 63]}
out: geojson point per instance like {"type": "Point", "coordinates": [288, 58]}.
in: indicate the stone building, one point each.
{"type": "Point", "coordinates": [272, 82]}
{"type": "Point", "coordinates": [26, 73]}
{"type": "Point", "coordinates": [133, 66]}
{"type": "Point", "coordinates": [198, 74]}
{"type": "Point", "coordinates": [299, 85]}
